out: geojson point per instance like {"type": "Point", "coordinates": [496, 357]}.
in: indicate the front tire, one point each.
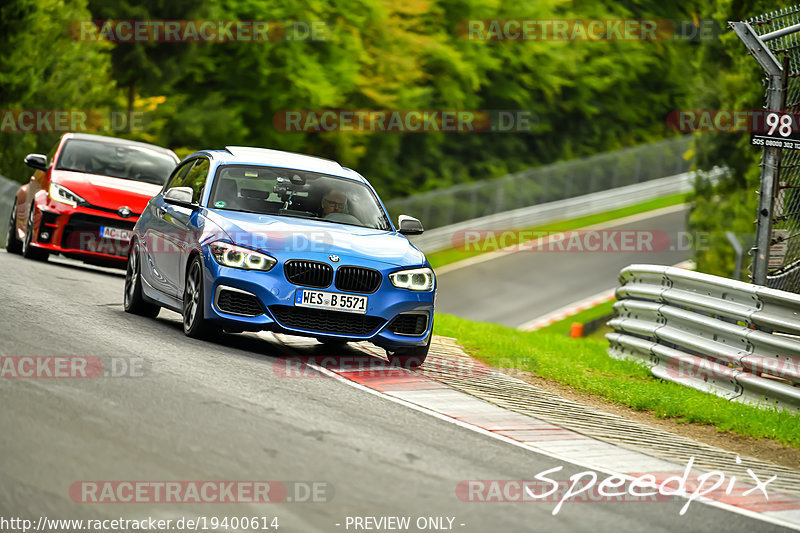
{"type": "Point", "coordinates": [28, 250]}
{"type": "Point", "coordinates": [410, 357]}
{"type": "Point", "coordinates": [194, 323]}
{"type": "Point", "coordinates": [13, 244]}
{"type": "Point", "coordinates": [134, 302]}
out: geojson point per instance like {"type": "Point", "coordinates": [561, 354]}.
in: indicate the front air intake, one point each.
{"type": "Point", "coordinates": [308, 273]}
{"type": "Point", "coordinates": [323, 321]}
{"type": "Point", "coordinates": [358, 279]}
{"type": "Point", "coordinates": [239, 303]}
{"type": "Point", "coordinates": [409, 324]}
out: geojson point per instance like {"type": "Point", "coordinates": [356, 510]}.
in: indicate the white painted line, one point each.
{"type": "Point", "coordinates": [793, 515]}
{"type": "Point", "coordinates": [568, 310]}
{"type": "Point", "coordinates": [503, 252]}
{"type": "Point", "coordinates": [582, 446]}
{"type": "Point", "coordinates": [764, 517]}
{"type": "Point", "coordinates": [573, 308]}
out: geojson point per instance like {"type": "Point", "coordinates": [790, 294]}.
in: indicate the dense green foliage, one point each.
{"type": "Point", "coordinates": [728, 78]}
{"type": "Point", "coordinates": [585, 96]}
{"type": "Point", "coordinates": [41, 68]}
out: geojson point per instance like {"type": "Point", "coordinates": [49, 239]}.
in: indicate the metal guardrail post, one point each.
{"type": "Point", "coordinates": [737, 247]}
{"type": "Point", "coordinates": [723, 336]}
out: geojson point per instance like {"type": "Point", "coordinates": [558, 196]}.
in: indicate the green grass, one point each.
{"type": "Point", "coordinates": [583, 364]}
{"type": "Point", "coordinates": [445, 257]}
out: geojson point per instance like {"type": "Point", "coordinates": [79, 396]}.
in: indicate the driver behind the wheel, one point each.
{"type": "Point", "coordinates": [77, 161]}
{"type": "Point", "coordinates": [334, 201]}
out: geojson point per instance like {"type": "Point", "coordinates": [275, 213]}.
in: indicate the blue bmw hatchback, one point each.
{"type": "Point", "coordinates": [248, 239]}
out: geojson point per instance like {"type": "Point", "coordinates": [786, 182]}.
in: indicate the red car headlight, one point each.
{"type": "Point", "coordinates": [59, 193]}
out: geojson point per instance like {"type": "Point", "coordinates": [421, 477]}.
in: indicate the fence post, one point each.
{"type": "Point", "coordinates": [499, 204]}
{"type": "Point", "coordinates": [776, 92]}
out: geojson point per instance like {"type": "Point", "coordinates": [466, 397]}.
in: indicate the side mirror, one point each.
{"type": "Point", "coordinates": [181, 196]}
{"type": "Point", "coordinates": [407, 225]}
{"type": "Point", "coordinates": [37, 161]}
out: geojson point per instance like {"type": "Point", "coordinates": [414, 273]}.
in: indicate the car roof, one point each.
{"type": "Point", "coordinates": [115, 140]}
{"type": "Point", "coordinates": [278, 158]}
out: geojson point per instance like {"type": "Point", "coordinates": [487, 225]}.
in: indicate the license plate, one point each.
{"type": "Point", "coordinates": [332, 301]}
{"type": "Point", "coordinates": [115, 233]}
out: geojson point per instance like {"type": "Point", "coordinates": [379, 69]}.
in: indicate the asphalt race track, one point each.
{"type": "Point", "coordinates": [518, 287]}
{"type": "Point", "coordinates": [224, 410]}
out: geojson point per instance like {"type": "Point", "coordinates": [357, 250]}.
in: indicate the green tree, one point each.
{"type": "Point", "coordinates": [727, 78]}
{"type": "Point", "coordinates": [43, 68]}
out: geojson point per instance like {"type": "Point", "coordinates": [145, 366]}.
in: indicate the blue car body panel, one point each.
{"type": "Point", "coordinates": [171, 235]}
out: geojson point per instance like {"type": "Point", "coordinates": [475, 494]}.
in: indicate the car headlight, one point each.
{"type": "Point", "coordinates": [417, 279]}
{"type": "Point", "coordinates": [230, 255]}
{"type": "Point", "coordinates": [59, 193]}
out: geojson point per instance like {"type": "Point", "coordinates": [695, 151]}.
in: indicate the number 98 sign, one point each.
{"type": "Point", "coordinates": [779, 131]}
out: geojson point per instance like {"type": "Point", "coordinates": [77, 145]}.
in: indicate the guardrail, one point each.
{"type": "Point", "coordinates": [587, 204]}
{"type": "Point", "coordinates": [7, 189]}
{"type": "Point", "coordinates": [714, 334]}
{"type": "Point", "coordinates": [549, 183]}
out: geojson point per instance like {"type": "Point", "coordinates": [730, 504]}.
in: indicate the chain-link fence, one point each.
{"type": "Point", "coordinates": [778, 32]}
{"type": "Point", "coordinates": [549, 183]}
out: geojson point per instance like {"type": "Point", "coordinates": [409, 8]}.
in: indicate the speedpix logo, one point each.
{"type": "Point", "coordinates": [588, 486]}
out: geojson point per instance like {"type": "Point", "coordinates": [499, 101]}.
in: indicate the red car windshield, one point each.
{"type": "Point", "coordinates": [127, 161]}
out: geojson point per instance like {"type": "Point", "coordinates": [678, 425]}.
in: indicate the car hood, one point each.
{"type": "Point", "coordinates": [270, 233]}
{"type": "Point", "coordinates": [105, 191]}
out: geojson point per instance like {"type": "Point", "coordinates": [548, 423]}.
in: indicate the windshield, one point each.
{"type": "Point", "coordinates": [296, 193]}
{"type": "Point", "coordinates": [127, 161]}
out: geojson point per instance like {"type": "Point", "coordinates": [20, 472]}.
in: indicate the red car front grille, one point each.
{"type": "Point", "coordinates": [82, 233]}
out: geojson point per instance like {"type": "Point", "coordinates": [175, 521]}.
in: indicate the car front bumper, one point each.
{"type": "Point", "coordinates": [276, 296]}
{"type": "Point", "coordinates": [75, 231]}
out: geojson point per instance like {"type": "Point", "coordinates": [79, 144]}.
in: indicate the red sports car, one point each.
{"type": "Point", "coordinates": [85, 197]}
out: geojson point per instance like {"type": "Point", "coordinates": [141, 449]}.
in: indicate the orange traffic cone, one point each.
{"type": "Point", "coordinates": [576, 332]}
